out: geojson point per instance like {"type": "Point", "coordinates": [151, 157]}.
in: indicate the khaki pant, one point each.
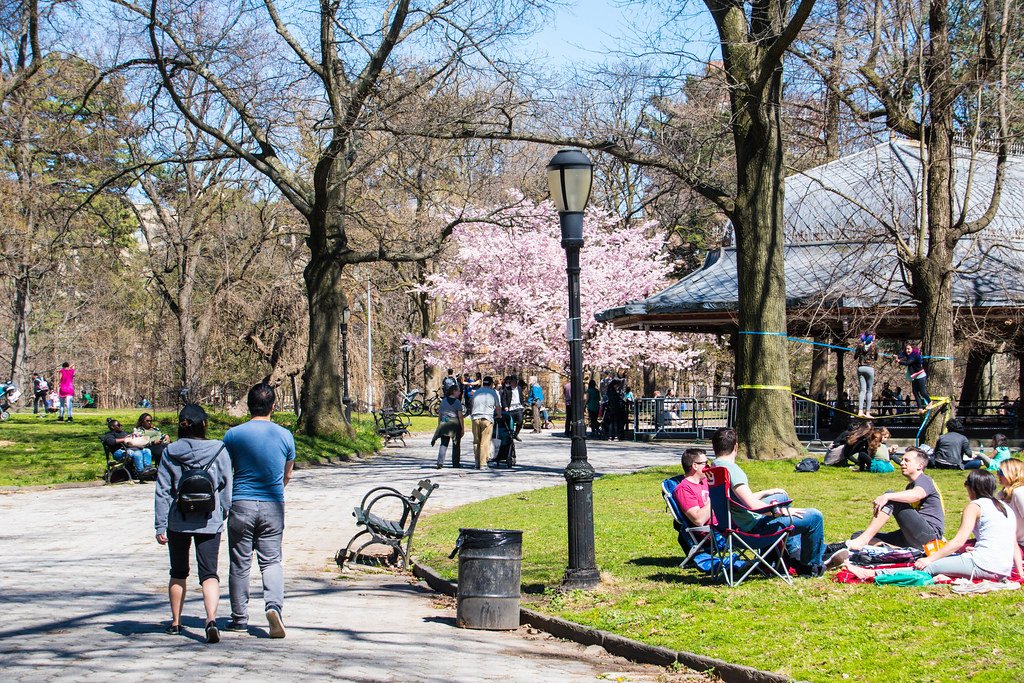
{"type": "Point", "coordinates": [482, 428]}
{"type": "Point", "coordinates": [537, 424]}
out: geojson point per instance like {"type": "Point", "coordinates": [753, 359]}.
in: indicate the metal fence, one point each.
{"type": "Point", "coordinates": [690, 417]}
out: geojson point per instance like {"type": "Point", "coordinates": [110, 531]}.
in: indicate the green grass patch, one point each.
{"type": "Point", "coordinates": [815, 630]}
{"type": "Point", "coordinates": [37, 451]}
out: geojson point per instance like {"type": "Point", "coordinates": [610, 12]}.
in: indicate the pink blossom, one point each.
{"type": "Point", "coordinates": [505, 301]}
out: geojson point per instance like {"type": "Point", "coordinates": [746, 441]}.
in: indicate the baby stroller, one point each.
{"type": "Point", "coordinates": [9, 395]}
{"type": "Point", "coordinates": [505, 431]}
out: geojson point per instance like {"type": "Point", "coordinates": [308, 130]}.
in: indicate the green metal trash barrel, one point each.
{"type": "Point", "coordinates": [489, 566]}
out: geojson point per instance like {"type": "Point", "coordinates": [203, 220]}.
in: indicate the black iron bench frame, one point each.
{"type": "Point", "coordinates": [391, 426]}
{"type": "Point", "coordinates": [396, 534]}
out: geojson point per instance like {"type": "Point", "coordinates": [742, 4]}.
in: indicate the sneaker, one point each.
{"type": "Point", "coordinates": [439, 466]}
{"type": "Point", "coordinates": [212, 634]}
{"type": "Point", "coordinates": [832, 548]}
{"type": "Point", "coordinates": [60, 419]}
{"type": "Point", "coordinates": [237, 627]}
{"type": "Point", "coordinates": [276, 623]}
{"type": "Point", "coordinates": [836, 554]}
{"type": "Point", "coordinates": [173, 630]}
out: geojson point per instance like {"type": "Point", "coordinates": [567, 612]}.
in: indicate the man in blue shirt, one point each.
{"type": "Point", "coordinates": [262, 454]}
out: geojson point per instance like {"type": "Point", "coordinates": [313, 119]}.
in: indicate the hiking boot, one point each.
{"type": "Point", "coordinates": [236, 627]}
{"type": "Point", "coordinates": [212, 634]}
{"type": "Point", "coordinates": [276, 623]}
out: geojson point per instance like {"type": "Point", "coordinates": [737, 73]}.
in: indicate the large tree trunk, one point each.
{"type": "Point", "coordinates": [752, 50]}
{"type": "Point", "coordinates": [765, 420]}
{"type": "Point", "coordinates": [322, 411]}
{"type": "Point", "coordinates": [651, 383]}
{"type": "Point", "coordinates": [19, 347]}
{"type": "Point", "coordinates": [978, 359]}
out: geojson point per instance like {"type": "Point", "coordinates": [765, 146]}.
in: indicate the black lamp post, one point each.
{"type": "Point", "coordinates": [570, 177]}
{"type": "Point", "coordinates": [346, 402]}
{"type": "Point", "coordinates": [406, 348]}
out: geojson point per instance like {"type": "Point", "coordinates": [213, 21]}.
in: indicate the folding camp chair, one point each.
{"type": "Point", "coordinates": [692, 539]}
{"type": "Point", "coordinates": [762, 551]}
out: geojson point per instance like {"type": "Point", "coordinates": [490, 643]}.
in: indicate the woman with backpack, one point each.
{"type": "Point", "coordinates": [193, 496]}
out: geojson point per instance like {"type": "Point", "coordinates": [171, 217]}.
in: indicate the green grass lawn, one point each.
{"type": "Point", "coordinates": [44, 451]}
{"type": "Point", "coordinates": [815, 630]}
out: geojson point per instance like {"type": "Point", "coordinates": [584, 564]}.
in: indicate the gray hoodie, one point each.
{"type": "Point", "coordinates": [191, 453]}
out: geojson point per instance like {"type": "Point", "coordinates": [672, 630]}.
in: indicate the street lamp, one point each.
{"type": "Point", "coordinates": [570, 178]}
{"type": "Point", "coordinates": [406, 348]}
{"type": "Point", "coordinates": [346, 402]}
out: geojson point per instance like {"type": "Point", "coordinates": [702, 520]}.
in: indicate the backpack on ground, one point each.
{"type": "Point", "coordinates": [197, 492]}
{"type": "Point", "coordinates": [808, 465]}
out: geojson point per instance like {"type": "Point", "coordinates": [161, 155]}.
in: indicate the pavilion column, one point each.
{"type": "Point", "coordinates": [819, 369]}
{"type": "Point", "coordinates": [1019, 353]}
{"type": "Point", "coordinates": [840, 377]}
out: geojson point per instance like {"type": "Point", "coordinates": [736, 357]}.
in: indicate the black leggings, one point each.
{"type": "Point", "coordinates": [207, 547]}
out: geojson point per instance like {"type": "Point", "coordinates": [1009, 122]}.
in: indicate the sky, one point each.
{"type": "Point", "coordinates": [585, 30]}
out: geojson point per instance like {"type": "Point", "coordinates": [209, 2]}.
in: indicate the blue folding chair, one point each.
{"type": "Point", "coordinates": [692, 539]}
{"type": "Point", "coordinates": [762, 551]}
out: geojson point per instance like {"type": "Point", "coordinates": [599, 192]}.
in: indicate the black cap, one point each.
{"type": "Point", "coordinates": [192, 413]}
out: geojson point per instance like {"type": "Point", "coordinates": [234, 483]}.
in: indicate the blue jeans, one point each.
{"type": "Point", "coordinates": [65, 406]}
{"type": "Point", "coordinates": [807, 543]}
{"type": "Point", "coordinates": [866, 380]}
{"type": "Point", "coordinates": [142, 459]}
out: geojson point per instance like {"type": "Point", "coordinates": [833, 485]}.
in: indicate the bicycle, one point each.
{"type": "Point", "coordinates": [412, 405]}
{"type": "Point", "coordinates": [432, 406]}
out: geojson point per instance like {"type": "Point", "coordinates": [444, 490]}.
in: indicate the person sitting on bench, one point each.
{"type": "Point", "coordinates": [123, 445]}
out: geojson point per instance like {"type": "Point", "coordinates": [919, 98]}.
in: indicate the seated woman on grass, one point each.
{"type": "Point", "coordinates": [880, 451]}
{"type": "Point", "coordinates": [995, 553]}
{"type": "Point", "coordinates": [1011, 476]}
{"type": "Point", "coordinates": [1000, 452]}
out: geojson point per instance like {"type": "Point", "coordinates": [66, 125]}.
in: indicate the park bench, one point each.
{"type": "Point", "coordinates": [395, 533]}
{"type": "Point", "coordinates": [391, 426]}
{"type": "Point", "coordinates": [117, 470]}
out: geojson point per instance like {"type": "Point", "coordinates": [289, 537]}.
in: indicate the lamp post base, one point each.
{"type": "Point", "coordinates": [580, 579]}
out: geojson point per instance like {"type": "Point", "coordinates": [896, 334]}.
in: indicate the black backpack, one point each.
{"type": "Point", "coordinates": [197, 492]}
{"type": "Point", "coordinates": [808, 465]}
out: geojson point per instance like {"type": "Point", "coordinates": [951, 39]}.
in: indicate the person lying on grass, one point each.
{"type": "Point", "coordinates": [917, 509]}
{"type": "Point", "coordinates": [805, 547]}
{"type": "Point", "coordinates": [995, 553]}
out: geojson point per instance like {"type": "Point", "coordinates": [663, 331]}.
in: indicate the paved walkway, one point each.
{"type": "Point", "coordinates": [83, 587]}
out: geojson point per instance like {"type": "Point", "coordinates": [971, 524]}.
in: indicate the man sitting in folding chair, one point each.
{"type": "Point", "coordinates": [760, 512]}
{"type": "Point", "coordinates": [688, 500]}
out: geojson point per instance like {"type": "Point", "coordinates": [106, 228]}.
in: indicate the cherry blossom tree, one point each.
{"type": "Point", "coordinates": [504, 301]}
